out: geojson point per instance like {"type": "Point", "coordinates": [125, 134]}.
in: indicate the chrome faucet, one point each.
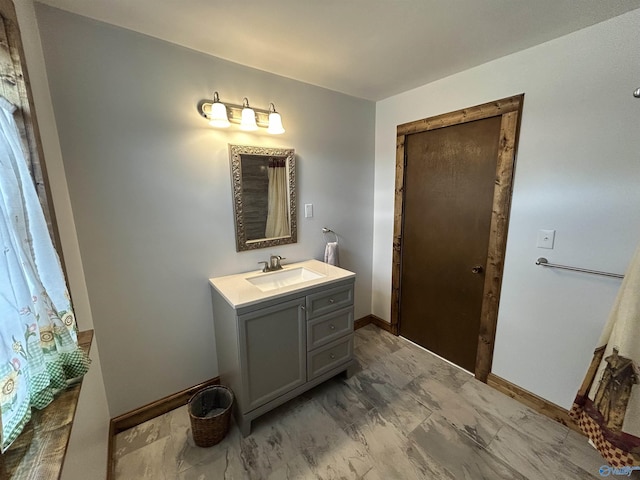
{"type": "Point", "coordinates": [273, 264]}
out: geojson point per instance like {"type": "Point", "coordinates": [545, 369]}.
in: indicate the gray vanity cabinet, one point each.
{"type": "Point", "coordinates": [274, 350]}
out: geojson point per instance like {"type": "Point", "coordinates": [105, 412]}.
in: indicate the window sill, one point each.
{"type": "Point", "coordinates": [40, 449]}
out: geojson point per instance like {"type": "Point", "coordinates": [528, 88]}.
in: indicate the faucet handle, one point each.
{"type": "Point", "coordinates": [266, 266]}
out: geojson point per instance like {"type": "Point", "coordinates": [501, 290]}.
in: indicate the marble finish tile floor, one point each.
{"type": "Point", "coordinates": [406, 414]}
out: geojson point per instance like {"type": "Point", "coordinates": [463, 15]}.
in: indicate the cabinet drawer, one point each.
{"type": "Point", "coordinates": [329, 300]}
{"type": "Point", "coordinates": [325, 329]}
{"type": "Point", "coordinates": [325, 358]}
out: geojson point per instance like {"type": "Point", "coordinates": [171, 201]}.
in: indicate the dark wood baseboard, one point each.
{"type": "Point", "coordinates": [147, 412]}
{"type": "Point", "coordinates": [533, 401]}
{"type": "Point", "coordinates": [380, 323]}
{"type": "Point", "coordinates": [377, 321]}
{"type": "Point", "coordinates": [362, 322]}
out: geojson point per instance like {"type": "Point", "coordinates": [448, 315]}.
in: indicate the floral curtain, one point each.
{"type": "Point", "coordinates": [607, 406]}
{"type": "Point", "coordinates": [278, 206]}
{"type": "Point", "coordinates": [39, 349]}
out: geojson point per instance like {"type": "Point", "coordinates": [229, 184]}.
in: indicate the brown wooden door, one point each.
{"type": "Point", "coordinates": [450, 175]}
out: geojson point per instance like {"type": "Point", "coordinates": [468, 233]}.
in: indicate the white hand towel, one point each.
{"type": "Point", "coordinates": [331, 254]}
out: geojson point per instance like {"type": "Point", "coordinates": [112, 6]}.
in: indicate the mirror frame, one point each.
{"type": "Point", "coordinates": [235, 156]}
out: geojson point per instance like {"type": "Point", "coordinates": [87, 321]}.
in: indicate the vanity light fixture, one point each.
{"type": "Point", "coordinates": [220, 115]}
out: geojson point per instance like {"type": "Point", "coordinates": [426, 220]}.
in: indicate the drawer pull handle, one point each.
{"type": "Point", "coordinates": [332, 327]}
{"type": "Point", "coordinates": [331, 300]}
{"type": "Point", "coordinates": [332, 356]}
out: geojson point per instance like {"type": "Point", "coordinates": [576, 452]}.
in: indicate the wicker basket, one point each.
{"type": "Point", "coordinates": [210, 414]}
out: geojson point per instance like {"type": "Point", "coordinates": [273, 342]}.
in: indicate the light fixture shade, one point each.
{"type": "Point", "coordinates": [248, 121]}
{"type": "Point", "coordinates": [275, 124]}
{"type": "Point", "coordinates": [218, 116]}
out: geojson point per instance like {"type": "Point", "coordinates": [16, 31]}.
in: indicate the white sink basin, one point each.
{"type": "Point", "coordinates": [283, 278]}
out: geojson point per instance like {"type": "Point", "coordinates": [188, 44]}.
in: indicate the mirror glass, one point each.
{"type": "Point", "coordinates": [264, 196]}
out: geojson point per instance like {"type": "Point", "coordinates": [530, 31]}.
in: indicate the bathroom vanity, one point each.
{"type": "Point", "coordinates": [281, 333]}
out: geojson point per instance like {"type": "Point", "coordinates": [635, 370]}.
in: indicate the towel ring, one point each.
{"type": "Point", "coordinates": [326, 230]}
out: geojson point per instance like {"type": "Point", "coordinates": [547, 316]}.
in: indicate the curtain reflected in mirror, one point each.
{"type": "Point", "coordinates": [277, 209]}
{"type": "Point", "coordinates": [264, 196]}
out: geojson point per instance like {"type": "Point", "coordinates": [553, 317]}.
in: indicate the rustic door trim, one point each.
{"type": "Point", "coordinates": [510, 109]}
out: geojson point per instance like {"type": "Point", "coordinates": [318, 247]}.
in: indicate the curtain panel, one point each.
{"type": "Point", "coordinates": [39, 350]}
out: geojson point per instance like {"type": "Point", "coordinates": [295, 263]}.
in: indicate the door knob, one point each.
{"type": "Point", "coordinates": [477, 269]}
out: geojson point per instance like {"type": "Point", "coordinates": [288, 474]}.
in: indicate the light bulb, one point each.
{"type": "Point", "coordinates": [248, 121]}
{"type": "Point", "coordinates": [275, 121]}
{"type": "Point", "coordinates": [218, 116]}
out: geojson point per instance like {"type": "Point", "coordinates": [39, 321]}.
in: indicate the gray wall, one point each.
{"type": "Point", "coordinates": [151, 192]}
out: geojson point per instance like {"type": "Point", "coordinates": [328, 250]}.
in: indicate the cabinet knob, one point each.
{"type": "Point", "coordinates": [331, 300]}
{"type": "Point", "coordinates": [302, 307]}
{"type": "Point", "coordinates": [332, 327]}
{"type": "Point", "coordinates": [332, 356]}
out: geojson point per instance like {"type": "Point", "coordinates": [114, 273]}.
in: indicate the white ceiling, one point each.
{"type": "Point", "coordinates": [367, 48]}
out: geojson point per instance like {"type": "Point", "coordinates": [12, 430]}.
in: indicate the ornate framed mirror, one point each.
{"type": "Point", "coordinates": [264, 196]}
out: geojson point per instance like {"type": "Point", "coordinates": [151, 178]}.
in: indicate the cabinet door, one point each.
{"type": "Point", "coordinates": [273, 351]}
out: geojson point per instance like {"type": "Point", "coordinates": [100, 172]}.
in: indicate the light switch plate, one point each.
{"type": "Point", "coordinates": [308, 210]}
{"type": "Point", "coordinates": [546, 238]}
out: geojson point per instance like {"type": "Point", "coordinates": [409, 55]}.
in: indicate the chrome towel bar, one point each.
{"type": "Point", "coordinates": [545, 263]}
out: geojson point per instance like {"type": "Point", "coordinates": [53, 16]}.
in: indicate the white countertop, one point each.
{"type": "Point", "coordinates": [239, 292]}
